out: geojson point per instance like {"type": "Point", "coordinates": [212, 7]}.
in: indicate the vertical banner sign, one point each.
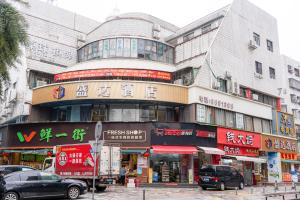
{"type": "Point", "coordinates": [274, 167]}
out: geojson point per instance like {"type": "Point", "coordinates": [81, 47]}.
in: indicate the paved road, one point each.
{"type": "Point", "coordinates": [122, 193]}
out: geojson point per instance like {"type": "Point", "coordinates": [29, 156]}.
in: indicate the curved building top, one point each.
{"type": "Point", "coordinates": [133, 24]}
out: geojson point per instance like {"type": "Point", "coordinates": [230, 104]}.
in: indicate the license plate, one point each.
{"type": "Point", "coordinates": [205, 179]}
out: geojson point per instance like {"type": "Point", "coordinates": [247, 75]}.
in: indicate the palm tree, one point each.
{"type": "Point", "coordinates": [12, 35]}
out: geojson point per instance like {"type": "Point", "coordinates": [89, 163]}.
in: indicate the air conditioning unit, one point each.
{"type": "Point", "coordinates": [156, 27]}
{"type": "Point", "coordinates": [40, 83]}
{"type": "Point", "coordinates": [235, 88]}
{"type": "Point", "coordinates": [293, 98]}
{"type": "Point", "coordinates": [252, 45]}
{"type": "Point", "coordinates": [258, 75]}
{"type": "Point", "coordinates": [255, 97]}
{"type": "Point", "coordinates": [290, 69]}
{"type": "Point", "coordinates": [81, 38]}
{"type": "Point", "coordinates": [216, 85]}
{"type": "Point", "coordinates": [179, 81]}
{"type": "Point", "coordinates": [228, 75]}
{"type": "Point", "coordinates": [13, 95]}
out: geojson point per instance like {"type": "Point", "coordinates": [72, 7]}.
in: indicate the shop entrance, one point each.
{"type": "Point", "coordinates": [171, 168]}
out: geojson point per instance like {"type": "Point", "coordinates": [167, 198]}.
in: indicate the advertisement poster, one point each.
{"type": "Point", "coordinates": [74, 160]}
{"type": "Point", "coordinates": [274, 167]}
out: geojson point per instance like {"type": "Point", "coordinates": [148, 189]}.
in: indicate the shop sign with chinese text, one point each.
{"type": "Point", "coordinates": [284, 124]}
{"type": "Point", "coordinates": [278, 144]}
{"type": "Point", "coordinates": [125, 135]}
{"type": "Point", "coordinates": [215, 102]}
{"type": "Point", "coordinates": [238, 138]}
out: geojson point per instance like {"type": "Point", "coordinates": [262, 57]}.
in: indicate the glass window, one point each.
{"type": "Point", "coordinates": [256, 39]}
{"type": "Point", "coordinates": [248, 123]}
{"type": "Point", "coordinates": [99, 113]}
{"type": "Point", "coordinates": [160, 52]}
{"type": "Point", "coordinates": [130, 112]}
{"type": "Point", "coordinates": [154, 50]}
{"type": "Point", "coordinates": [229, 119]}
{"type": "Point", "coordinates": [30, 176]}
{"type": "Point", "coordinates": [90, 51]}
{"type": "Point", "coordinates": [296, 72]}
{"type": "Point", "coordinates": [148, 47]}
{"type": "Point", "coordinates": [223, 85]}
{"type": "Point", "coordinates": [141, 48]}
{"type": "Point", "coordinates": [126, 51]}
{"type": "Point", "coordinates": [272, 73]}
{"type": "Point", "coordinates": [49, 177]}
{"type": "Point", "coordinates": [80, 55]}
{"type": "Point", "coordinates": [270, 45]}
{"type": "Point", "coordinates": [266, 126]}
{"type": "Point", "coordinates": [112, 47]}
{"type": "Point", "coordinates": [258, 67]}
{"type": "Point", "coordinates": [239, 121]}
{"type": "Point", "coordinates": [201, 112]}
{"type": "Point", "coordinates": [134, 48]}
{"type": "Point", "coordinates": [85, 113]}
{"type": "Point", "coordinates": [105, 48]}
{"type": "Point", "coordinates": [147, 113]}
{"type": "Point", "coordinates": [220, 117]}
{"type": "Point", "coordinates": [95, 49]}
{"type": "Point", "coordinates": [120, 47]}
{"type": "Point", "coordinates": [210, 115]}
{"type": "Point", "coordinates": [101, 48]}
{"type": "Point", "coordinates": [64, 113]}
{"type": "Point", "coordinates": [257, 125]}
{"type": "Point", "coordinates": [115, 112]}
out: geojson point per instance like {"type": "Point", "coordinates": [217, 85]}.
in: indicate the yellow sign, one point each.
{"type": "Point", "coordinates": [125, 90]}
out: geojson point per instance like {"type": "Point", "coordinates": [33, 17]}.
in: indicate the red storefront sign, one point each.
{"type": "Point", "coordinates": [236, 142]}
{"type": "Point", "coordinates": [113, 73]}
{"type": "Point", "coordinates": [74, 160]}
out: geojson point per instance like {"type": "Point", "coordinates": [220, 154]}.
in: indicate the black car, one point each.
{"type": "Point", "coordinates": [36, 184]}
{"type": "Point", "coordinates": [6, 169]}
{"type": "Point", "coordinates": [220, 177]}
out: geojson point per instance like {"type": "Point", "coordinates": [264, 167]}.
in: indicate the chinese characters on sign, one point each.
{"type": "Point", "coordinates": [125, 135]}
{"type": "Point", "coordinates": [127, 90]}
{"type": "Point", "coordinates": [151, 92]}
{"type": "Point", "coordinates": [215, 102]}
{"type": "Point", "coordinates": [280, 144]}
{"type": "Point", "coordinates": [82, 91]}
{"type": "Point", "coordinates": [46, 134]}
{"type": "Point", "coordinates": [285, 124]}
{"type": "Point", "coordinates": [173, 132]}
{"type": "Point", "coordinates": [239, 138]}
{"type": "Point", "coordinates": [104, 91]}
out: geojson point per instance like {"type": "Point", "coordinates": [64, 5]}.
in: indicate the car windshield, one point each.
{"type": "Point", "coordinates": [207, 171]}
{"type": "Point", "coordinates": [47, 163]}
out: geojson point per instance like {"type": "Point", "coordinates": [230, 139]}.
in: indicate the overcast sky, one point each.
{"type": "Point", "coordinates": [183, 12]}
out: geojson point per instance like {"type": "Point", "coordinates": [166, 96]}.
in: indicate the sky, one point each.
{"type": "Point", "coordinates": [183, 12]}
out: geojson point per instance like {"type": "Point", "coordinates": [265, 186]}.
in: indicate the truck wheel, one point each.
{"type": "Point", "coordinates": [100, 188]}
{"type": "Point", "coordinates": [73, 192]}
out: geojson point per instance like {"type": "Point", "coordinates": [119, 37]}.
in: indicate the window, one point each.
{"type": "Point", "coordinates": [130, 112]}
{"type": "Point", "coordinates": [220, 117]}
{"type": "Point", "coordinates": [85, 113]}
{"type": "Point", "coordinates": [99, 113]}
{"type": "Point", "coordinates": [257, 125]}
{"type": "Point", "coordinates": [30, 176]}
{"type": "Point", "coordinates": [266, 128]}
{"type": "Point", "coordinates": [64, 113]}
{"type": "Point", "coordinates": [188, 36]}
{"type": "Point", "coordinates": [239, 122]}
{"type": "Point", "coordinates": [115, 112]}
{"type": "Point", "coordinates": [49, 177]}
{"type": "Point", "coordinates": [256, 39]}
{"type": "Point", "coordinates": [147, 113]}
{"type": "Point", "coordinates": [201, 113]}
{"type": "Point", "coordinates": [296, 72]}
{"type": "Point", "coordinates": [272, 72]}
{"type": "Point", "coordinates": [290, 69]}
{"type": "Point", "coordinates": [270, 45]}
{"type": "Point", "coordinates": [258, 67]}
{"type": "Point", "coordinates": [248, 123]}
{"type": "Point", "coordinates": [223, 85]}
{"type": "Point", "coordinates": [229, 119]}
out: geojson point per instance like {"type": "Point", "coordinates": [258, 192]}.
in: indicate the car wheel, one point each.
{"type": "Point", "coordinates": [10, 196]}
{"type": "Point", "coordinates": [222, 186]}
{"type": "Point", "coordinates": [100, 189]}
{"type": "Point", "coordinates": [73, 192]}
{"type": "Point", "coordinates": [204, 188]}
{"type": "Point", "coordinates": [241, 186]}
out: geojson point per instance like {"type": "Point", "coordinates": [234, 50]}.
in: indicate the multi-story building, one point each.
{"type": "Point", "coordinates": [204, 93]}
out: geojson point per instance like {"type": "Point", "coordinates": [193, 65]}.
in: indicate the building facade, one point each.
{"type": "Point", "coordinates": [173, 98]}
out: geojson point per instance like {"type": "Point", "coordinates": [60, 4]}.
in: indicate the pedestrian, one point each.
{"type": "Point", "coordinates": [122, 175]}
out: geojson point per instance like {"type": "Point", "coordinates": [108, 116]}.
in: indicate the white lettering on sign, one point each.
{"type": "Point", "coordinates": [104, 91]}
{"type": "Point", "coordinates": [127, 90]}
{"type": "Point", "coordinates": [239, 139]}
{"type": "Point", "coordinates": [215, 102]}
{"type": "Point", "coordinates": [151, 92]}
{"type": "Point", "coordinates": [82, 91]}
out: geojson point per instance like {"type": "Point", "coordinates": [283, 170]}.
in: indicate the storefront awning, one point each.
{"type": "Point", "coordinates": [250, 159]}
{"type": "Point", "coordinates": [210, 150]}
{"type": "Point", "coordinates": [174, 149]}
{"type": "Point", "coordinates": [291, 161]}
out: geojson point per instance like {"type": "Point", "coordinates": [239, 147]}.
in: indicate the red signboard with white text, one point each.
{"type": "Point", "coordinates": [74, 160]}
{"type": "Point", "coordinates": [237, 142]}
{"type": "Point", "coordinates": [113, 73]}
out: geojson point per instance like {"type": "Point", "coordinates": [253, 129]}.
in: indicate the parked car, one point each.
{"type": "Point", "coordinates": [6, 169]}
{"type": "Point", "coordinates": [220, 177]}
{"type": "Point", "coordinates": [36, 184]}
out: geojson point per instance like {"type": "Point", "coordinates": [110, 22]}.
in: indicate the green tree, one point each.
{"type": "Point", "coordinates": [12, 35]}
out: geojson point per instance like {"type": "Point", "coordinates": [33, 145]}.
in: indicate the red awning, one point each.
{"type": "Point", "coordinates": [174, 149]}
